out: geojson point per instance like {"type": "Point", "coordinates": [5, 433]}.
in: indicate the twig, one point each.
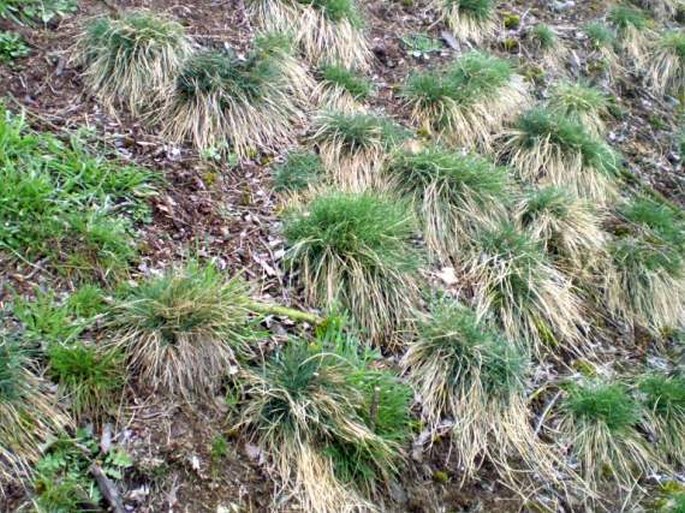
{"type": "Point", "coordinates": [284, 311]}
{"type": "Point", "coordinates": [108, 489]}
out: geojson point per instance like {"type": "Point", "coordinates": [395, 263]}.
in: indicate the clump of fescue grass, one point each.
{"type": "Point", "coordinates": [599, 422]}
{"type": "Point", "coordinates": [667, 64]}
{"type": "Point", "coordinates": [219, 97]}
{"type": "Point", "coordinates": [581, 103]}
{"type": "Point", "coordinates": [466, 102]}
{"type": "Point", "coordinates": [452, 194]}
{"type": "Point", "coordinates": [297, 79]}
{"type": "Point", "coordinates": [646, 283]}
{"type": "Point", "coordinates": [515, 283]}
{"type": "Point", "coordinates": [355, 250]}
{"type": "Point", "coordinates": [182, 331]}
{"type": "Point", "coordinates": [353, 146]}
{"type": "Point", "coordinates": [472, 20]}
{"type": "Point", "coordinates": [301, 170]}
{"type": "Point", "coordinates": [602, 39]}
{"type": "Point", "coordinates": [90, 379]}
{"type": "Point", "coordinates": [549, 148]}
{"type": "Point", "coordinates": [664, 402]}
{"type": "Point", "coordinates": [569, 228]}
{"type": "Point", "coordinates": [325, 30]}
{"type": "Point", "coordinates": [320, 416]}
{"type": "Point", "coordinates": [632, 29]}
{"type": "Point", "coordinates": [132, 60]}
{"type": "Point", "coordinates": [341, 88]}
{"type": "Point", "coordinates": [29, 415]}
{"type": "Point", "coordinates": [546, 44]}
{"type": "Point", "coordinates": [465, 372]}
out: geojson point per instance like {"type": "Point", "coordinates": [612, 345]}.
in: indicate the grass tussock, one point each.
{"type": "Point", "coordinates": [466, 102]}
{"type": "Point", "coordinates": [646, 283]}
{"type": "Point", "coordinates": [355, 251]}
{"type": "Point", "coordinates": [132, 60]}
{"type": "Point", "coordinates": [465, 372]}
{"type": "Point", "coordinates": [182, 332]}
{"type": "Point", "coordinates": [218, 97]}
{"type": "Point", "coordinates": [547, 147]}
{"type": "Point", "coordinates": [341, 88]}
{"type": "Point", "coordinates": [469, 20]}
{"type": "Point", "coordinates": [29, 415]}
{"type": "Point", "coordinates": [599, 422]}
{"type": "Point", "coordinates": [664, 401]}
{"type": "Point", "coordinates": [581, 103]}
{"type": "Point", "coordinates": [300, 171]}
{"type": "Point", "coordinates": [516, 284]}
{"type": "Point", "coordinates": [662, 9]}
{"type": "Point", "coordinates": [452, 194]}
{"type": "Point", "coordinates": [354, 146]}
{"type": "Point", "coordinates": [91, 380]}
{"type": "Point", "coordinates": [324, 30]}
{"type": "Point", "coordinates": [545, 42]}
{"type": "Point", "coordinates": [569, 228]}
{"type": "Point", "coordinates": [667, 64]}
{"type": "Point", "coordinates": [603, 42]}
{"type": "Point", "coordinates": [633, 31]}
{"type": "Point", "coordinates": [331, 424]}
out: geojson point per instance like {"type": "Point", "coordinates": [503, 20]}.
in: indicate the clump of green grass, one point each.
{"type": "Point", "coordinates": [599, 420]}
{"type": "Point", "coordinates": [516, 284]}
{"type": "Point", "coordinates": [667, 63]}
{"type": "Point", "coordinates": [569, 228]}
{"type": "Point", "coordinates": [452, 193]}
{"type": "Point", "coordinates": [132, 60]}
{"type": "Point", "coordinates": [600, 35]}
{"type": "Point", "coordinates": [464, 371]}
{"type": "Point", "coordinates": [581, 103]}
{"type": "Point", "coordinates": [325, 30]}
{"type": "Point", "coordinates": [353, 146]}
{"type": "Point", "coordinates": [472, 20]}
{"type": "Point", "coordinates": [466, 102]}
{"type": "Point", "coordinates": [300, 170]}
{"type": "Point", "coordinates": [331, 425]}
{"type": "Point", "coordinates": [219, 97]}
{"type": "Point", "coordinates": [62, 203]}
{"type": "Point", "coordinates": [341, 88]}
{"type": "Point", "coordinates": [543, 37]}
{"type": "Point", "coordinates": [355, 250]}
{"type": "Point", "coordinates": [181, 331]}
{"type": "Point", "coordinates": [90, 379]}
{"type": "Point", "coordinates": [664, 402]}
{"type": "Point", "coordinates": [547, 146]}
{"type": "Point", "coordinates": [12, 47]}
{"type": "Point", "coordinates": [632, 28]}
{"type": "Point", "coordinates": [646, 284]}
{"type": "Point", "coordinates": [29, 415]}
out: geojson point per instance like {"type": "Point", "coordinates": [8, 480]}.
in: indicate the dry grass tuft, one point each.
{"type": "Point", "coordinates": [549, 148]}
{"type": "Point", "coordinates": [356, 251]}
{"type": "Point", "coordinates": [633, 31]}
{"type": "Point", "coordinates": [132, 60]}
{"type": "Point", "coordinates": [219, 98]}
{"type": "Point", "coordinates": [599, 422]}
{"type": "Point", "coordinates": [569, 228]}
{"type": "Point", "coordinates": [667, 64]}
{"type": "Point", "coordinates": [466, 102]}
{"type": "Point", "coordinates": [452, 194]}
{"type": "Point", "coordinates": [469, 20]}
{"type": "Point", "coordinates": [646, 284]}
{"type": "Point", "coordinates": [29, 415]}
{"type": "Point", "coordinates": [465, 372]}
{"type": "Point", "coordinates": [515, 283]}
{"type": "Point", "coordinates": [354, 146]}
{"type": "Point", "coordinates": [325, 30]}
{"type": "Point", "coordinates": [181, 331]}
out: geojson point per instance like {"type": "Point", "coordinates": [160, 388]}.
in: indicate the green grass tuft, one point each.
{"type": "Point", "coordinates": [356, 250]}
{"type": "Point", "coordinates": [609, 404]}
{"type": "Point", "coordinates": [582, 104]}
{"type": "Point", "coordinates": [543, 36]}
{"type": "Point", "coordinates": [354, 84]}
{"type": "Point", "coordinates": [181, 331]}
{"type": "Point", "coordinates": [300, 170]}
{"type": "Point", "coordinates": [624, 17]}
{"type": "Point", "coordinates": [480, 10]}
{"type": "Point", "coordinates": [468, 19]}
{"type": "Point", "coordinates": [600, 35]}
{"type": "Point", "coordinates": [664, 401]}
{"type": "Point", "coordinates": [452, 193]}
{"type": "Point", "coordinates": [91, 379]}
{"type": "Point", "coordinates": [337, 10]}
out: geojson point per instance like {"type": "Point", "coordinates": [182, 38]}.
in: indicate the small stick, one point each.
{"type": "Point", "coordinates": [283, 311]}
{"type": "Point", "coordinates": [108, 489]}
